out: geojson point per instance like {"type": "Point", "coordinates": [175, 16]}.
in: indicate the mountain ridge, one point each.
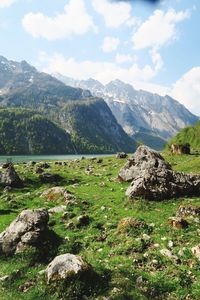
{"type": "Point", "coordinates": [139, 111]}
{"type": "Point", "coordinates": [22, 86]}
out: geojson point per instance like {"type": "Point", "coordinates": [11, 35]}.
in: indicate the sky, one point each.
{"type": "Point", "coordinates": [151, 46]}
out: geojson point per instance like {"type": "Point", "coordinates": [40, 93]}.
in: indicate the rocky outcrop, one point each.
{"type": "Point", "coordinates": [152, 177]}
{"type": "Point", "coordinates": [65, 266]}
{"type": "Point", "coordinates": [10, 177]}
{"type": "Point", "coordinates": [26, 230]}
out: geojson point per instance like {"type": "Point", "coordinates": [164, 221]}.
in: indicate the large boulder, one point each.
{"type": "Point", "coordinates": [28, 229]}
{"type": "Point", "coordinates": [65, 266]}
{"type": "Point", "coordinates": [10, 177]}
{"type": "Point", "coordinates": [152, 177]}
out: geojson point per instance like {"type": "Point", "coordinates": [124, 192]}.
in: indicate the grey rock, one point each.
{"type": "Point", "coordinates": [65, 266]}
{"type": "Point", "coordinates": [196, 251]}
{"type": "Point", "coordinates": [39, 170]}
{"type": "Point", "coordinates": [57, 209]}
{"type": "Point", "coordinates": [10, 177]}
{"type": "Point", "coordinates": [49, 178]}
{"type": "Point", "coordinates": [83, 220]}
{"type": "Point", "coordinates": [27, 229]}
{"type": "Point", "coordinates": [58, 192]}
{"type": "Point", "coordinates": [178, 223]}
{"type": "Point", "coordinates": [188, 210]}
{"type": "Point", "coordinates": [153, 178]}
{"type": "Point", "coordinates": [121, 155]}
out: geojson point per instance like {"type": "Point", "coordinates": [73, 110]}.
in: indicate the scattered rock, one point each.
{"type": "Point", "coordinates": [99, 161]}
{"type": "Point", "coordinates": [44, 165]}
{"type": "Point", "coordinates": [57, 192]}
{"type": "Point", "coordinates": [121, 155]}
{"type": "Point", "coordinates": [188, 210]}
{"type": "Point", "coordinates": [57, 209]}
{"type": "Point", "coordinates": [169, 254]}
{"type": "Point", "coordinates": [7, 189]}
{"type": "Point", "coordinates": [65, 266]}
{"type": "Point", "coordinates": [49, 178]}
{"type": "Point", "coordinates": [178, 223]}
{"type": "Point", "coordinates": [39, 170]}
{"type": "Point", "coordinates": [180, 149]}
{"type": "Point", "coordinates": [153, 178]}
{"type": "Point", "coordinates": [26, 286]}
{"type": "Point", "coordinates": [5, 166]}
{"type": "Point", "coordinates": [27, 229]}
{"type": "Point", "coordinates": [4, 278]}
{"type": "Point", "coordinates": [10, 177]}
{"type": "Point", "coordinates": [196, 251]}
{"type": "Point", "coordinates": [83, 220]}
{"type": "Point", "coordinates": [129, 224]}
{"type": "Point", "coordinates": [32, 163]}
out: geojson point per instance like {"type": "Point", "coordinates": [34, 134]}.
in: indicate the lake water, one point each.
{"type": "Point", "coordinates": [26, 158]}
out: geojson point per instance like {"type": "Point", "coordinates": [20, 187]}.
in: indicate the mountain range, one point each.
{"type": "Point", "coordinates": [146, 117]}
{"type": "Point", "coordinates": [86, 120]}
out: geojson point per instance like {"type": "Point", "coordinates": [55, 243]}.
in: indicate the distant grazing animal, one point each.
{"type": "Point", "coordinates": [180, 149]}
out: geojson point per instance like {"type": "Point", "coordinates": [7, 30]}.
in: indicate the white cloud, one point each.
{"type": "Point", "coordinates": [159, 29]}
{"type": "Point", "coordinates": [6, 3]}
{"type": "Point", "coordinates": [74, 20]}
{"type": "Point", "coordinates": [123, 58]}
{"type": "Point", "coordinates": [102, 71]}
{"type": "Point", "coordinates": [187, 90]}
{"type": "Point", "coordinates": [114, 14]}
{"type": "Point", "coordinates": [110, 44]}
{"type": "Point", "coordinates": [156, 59]}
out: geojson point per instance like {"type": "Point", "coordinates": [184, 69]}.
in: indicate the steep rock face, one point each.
{"type": "Point", "coordinates": [27, 229]}
{"type": "Point", "coordinates": [151, 118]}
{"type": "Point", "coordinates": [93, 128]}
{"type": "Point", "coordinates": [153, 178]}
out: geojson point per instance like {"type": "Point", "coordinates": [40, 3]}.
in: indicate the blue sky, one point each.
{"type": "Point", "coordinates": [153, 47]}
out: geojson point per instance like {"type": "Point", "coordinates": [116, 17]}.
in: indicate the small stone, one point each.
{"type": "Point", "coordinates": [83, 220]}
{"type": "Point", "coordinates": [178, 223]}
{"type": "Point", "coordinates": [146, 237]}
{"type": "Point", "coordinates": [57, 209]}
{"type": "Point", "coordinates": [121, 155]}
{"type": "Point", "coordinates": [196, 251]}
{"type": "Point", "coordinates": [4, 278]}
{"type": "Point", "coordinates": [170, 244]}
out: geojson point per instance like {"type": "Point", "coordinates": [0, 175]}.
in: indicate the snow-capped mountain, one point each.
{"type": "Point", "coordinates": [143, 115]}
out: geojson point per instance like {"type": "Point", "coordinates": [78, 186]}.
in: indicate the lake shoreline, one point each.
{"type": "Point", "coordinates": [37, 158]}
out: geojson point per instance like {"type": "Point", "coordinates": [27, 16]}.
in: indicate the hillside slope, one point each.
{"type": "Point", "coordinates": [27, 132]}
{"type": "Point", "coordinates": [190, 134]}
{"type": "Point", "coordinates": [94, 128]}
{"type": "Point", "coordinates": [143, 115]}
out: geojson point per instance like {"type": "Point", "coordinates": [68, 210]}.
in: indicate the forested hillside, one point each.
{"type": "Point", "coordinates": [27, 132]}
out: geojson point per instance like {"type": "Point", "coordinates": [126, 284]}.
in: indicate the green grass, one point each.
{"type": "Point", "coordinates": [124, 264]}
